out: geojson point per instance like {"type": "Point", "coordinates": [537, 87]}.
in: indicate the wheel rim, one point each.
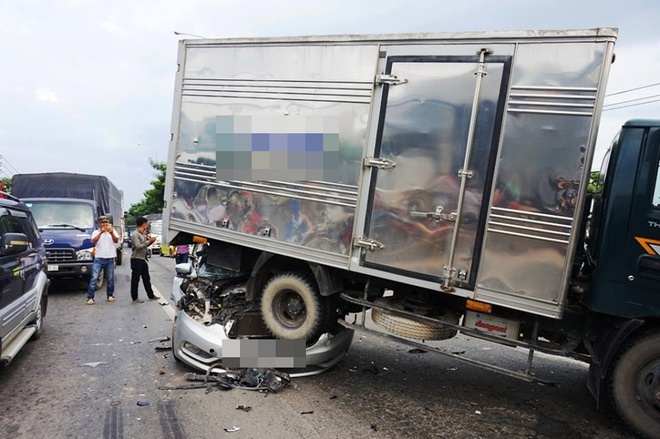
{"type": "Point", "coordinates": [648, 388]}
{"type": "Point", "coordinates": [290, 309]}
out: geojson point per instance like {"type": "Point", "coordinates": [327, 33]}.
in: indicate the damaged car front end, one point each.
{"type": "Point", "coordinates": [212, 309]}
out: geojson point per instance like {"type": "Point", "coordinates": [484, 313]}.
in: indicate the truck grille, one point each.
{"type": "Point", "coordinates": [60, 255]}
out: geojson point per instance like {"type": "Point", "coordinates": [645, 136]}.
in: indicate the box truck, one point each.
{"type": "Point", "coordinates": [66, 207]}
{"type": "Point", "coordinates": [435, 183]}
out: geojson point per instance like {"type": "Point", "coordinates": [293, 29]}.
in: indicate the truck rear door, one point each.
{"type": "Point", "coordinates": [433, 159]}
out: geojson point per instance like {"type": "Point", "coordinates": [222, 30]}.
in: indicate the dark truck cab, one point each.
{"type": "Point", "coordinates": [66, 207]}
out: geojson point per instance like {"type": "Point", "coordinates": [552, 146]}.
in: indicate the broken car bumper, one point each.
{"type": "Point", "coordinates": [200, 346]}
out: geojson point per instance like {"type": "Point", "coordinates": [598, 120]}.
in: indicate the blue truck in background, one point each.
{"type": "Point", "coordinates": [66, 207]}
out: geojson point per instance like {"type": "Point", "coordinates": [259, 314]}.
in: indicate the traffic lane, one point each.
{"type": "Point", "coordinates": [381, 384]}
{"type": "Point", "coordinates": [90, 361]}
{"type": "Point", "coordinates": [85, 377]}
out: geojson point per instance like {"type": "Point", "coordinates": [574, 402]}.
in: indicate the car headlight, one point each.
{"type": "Point", "coordinates": [83, 255]}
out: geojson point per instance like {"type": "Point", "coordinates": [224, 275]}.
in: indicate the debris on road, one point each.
{"type": "Point", "coordinates": [232, 429]}
{"type": "Point", "coordinates": [94, 364]}
{"type": "Point", "coordinates": [159, 339]}
{"type": "Point", "coordinates": [245, 408]}
{"type": "Point", "coordinates": [374, 426]}
{"type": "Point", "coordinates": [143, 403]}
{"type": "Point", "coordinates": [261, 380]}
{"type": "Point", "coordinates": [311, 412]}
{"type": "Point", "coordinates": [162, 348]}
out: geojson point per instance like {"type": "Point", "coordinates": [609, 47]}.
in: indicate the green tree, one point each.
{"type": "Point", "coordinates": [154, 197]}
{"type": "Point", "coordinates": [6, 184]}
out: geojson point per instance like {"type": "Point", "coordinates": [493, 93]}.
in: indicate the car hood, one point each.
{"type": "Point", "coordinates": [66, 238]}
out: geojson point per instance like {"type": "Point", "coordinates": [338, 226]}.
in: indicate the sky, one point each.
{"type": "Point", "coordinates": [87, 86]}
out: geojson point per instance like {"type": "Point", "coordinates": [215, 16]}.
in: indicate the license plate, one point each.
{"type": "Point", "coordinates": [53, 267]}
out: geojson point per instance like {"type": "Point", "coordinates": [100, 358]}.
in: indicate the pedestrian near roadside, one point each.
{"type": "Point", "coordinates": [139, 266]}
{"type": "Point", "coordinates": [182, 254]}
{"type": "Point", "coordinates": [104, 239]}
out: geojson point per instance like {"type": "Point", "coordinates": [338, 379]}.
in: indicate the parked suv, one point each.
{"type": "Point", "coordinates": [23, 281]}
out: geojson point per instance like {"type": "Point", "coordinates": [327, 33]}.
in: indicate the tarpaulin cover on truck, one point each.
{"type": "Point", "coordinates": [69, 185]}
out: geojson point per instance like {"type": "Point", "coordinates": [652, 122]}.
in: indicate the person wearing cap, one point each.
{"type": "Point", "coordinates": [104, 239]}
{"type": "Point", "coordinates": [139, 267]}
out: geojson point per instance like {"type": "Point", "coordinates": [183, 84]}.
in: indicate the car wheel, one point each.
{"type": "Point", "coordinates": [39, 318]}
{"type": "Point", "coordinates": [292, 308]}
{"type": "Point", "coordinates": [634, 383]}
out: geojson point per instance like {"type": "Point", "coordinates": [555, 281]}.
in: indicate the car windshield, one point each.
{"type": "Point", "coordinates": [156, 228]}
{"type": "Point", "coordinates": [50, 214]}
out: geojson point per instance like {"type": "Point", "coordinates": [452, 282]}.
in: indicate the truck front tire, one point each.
{"type": "Point", "coordinates": [293, 309]}
{"type": "Point", "coordinates": [634, 383]}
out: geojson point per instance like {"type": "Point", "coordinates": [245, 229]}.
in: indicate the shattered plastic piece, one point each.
{"type": "Point", "coordinates": [311, 412]}
{"type": "Point", "coordinates": [162, 348]}
{"type": "Point", "coordinates": [417, 351]}
{"type": "Point", "coordinates": [159, 339]}
{"type": "Point", "coordinates": [269, 380]}
{"type": "Point", "coordinates": [232, 429]}
{"type": "Point", "coordinates": [458, 352]}
{"type": "Point", "coordinates": [94, 364]}
{"type": "Point", "coordinates": [333, 397]}
{"type": "Point", "coordinates": [245, 408]}
{"type": "Point", "coordinates": [478, 412]}
{"type": "Point", "coordinates": [374, 426]}
{"type": "Point", "coordinates": [143, 403]}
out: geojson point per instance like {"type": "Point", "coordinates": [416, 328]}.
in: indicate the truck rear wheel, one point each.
{"type": "Point", "coordinates": [292, 308]}
{"type": "Point", "coordinates": [634, 384]}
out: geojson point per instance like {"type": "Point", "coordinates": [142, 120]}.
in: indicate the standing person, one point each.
{"type": "Point", "coordinates": [181, 254]}
{"type": "Point", "coordinates": [139, 266]}
{"type": "Point", "coordinates": [104, 239]}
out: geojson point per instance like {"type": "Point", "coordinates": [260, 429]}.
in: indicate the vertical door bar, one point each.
{"type": "Point", "coordinates": [464, 174]}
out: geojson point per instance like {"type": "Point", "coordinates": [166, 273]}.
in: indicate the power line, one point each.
{"type": "Point", "coordinates": [13, 170]}
{"type": "Point", "coordinates": [631, 100]}
{"type": "Point", "coordinates": [632, 89]}
{"type": "Point", "coordinates": [631, 105]}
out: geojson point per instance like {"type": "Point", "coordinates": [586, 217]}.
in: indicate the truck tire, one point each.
{"type": "Point", "coordinates": [120, 256]}
{"type": "Point", "coordinates": [293, 309]}
{"type": "Point", "coordinates": [634, 384]}
{"type": "Point", "coordinates": [409, 328]}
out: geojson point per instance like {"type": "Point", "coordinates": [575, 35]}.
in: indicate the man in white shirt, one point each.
{"type": "Point", "coordinates": [104, 240]}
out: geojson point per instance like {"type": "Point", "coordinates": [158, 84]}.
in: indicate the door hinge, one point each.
{"type": "Point", "coordinates": [380, 163]}
{"type": "Point", "coordinates": [390, 79]}
{"type": "Point", "coordinates": [369, 244]}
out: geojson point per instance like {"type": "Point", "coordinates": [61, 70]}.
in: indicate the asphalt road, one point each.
{"type": "Point", "coordinates": [85, 377]}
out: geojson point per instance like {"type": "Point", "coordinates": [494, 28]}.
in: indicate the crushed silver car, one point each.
{"type": "Point", "coordinates": [212, 308]}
